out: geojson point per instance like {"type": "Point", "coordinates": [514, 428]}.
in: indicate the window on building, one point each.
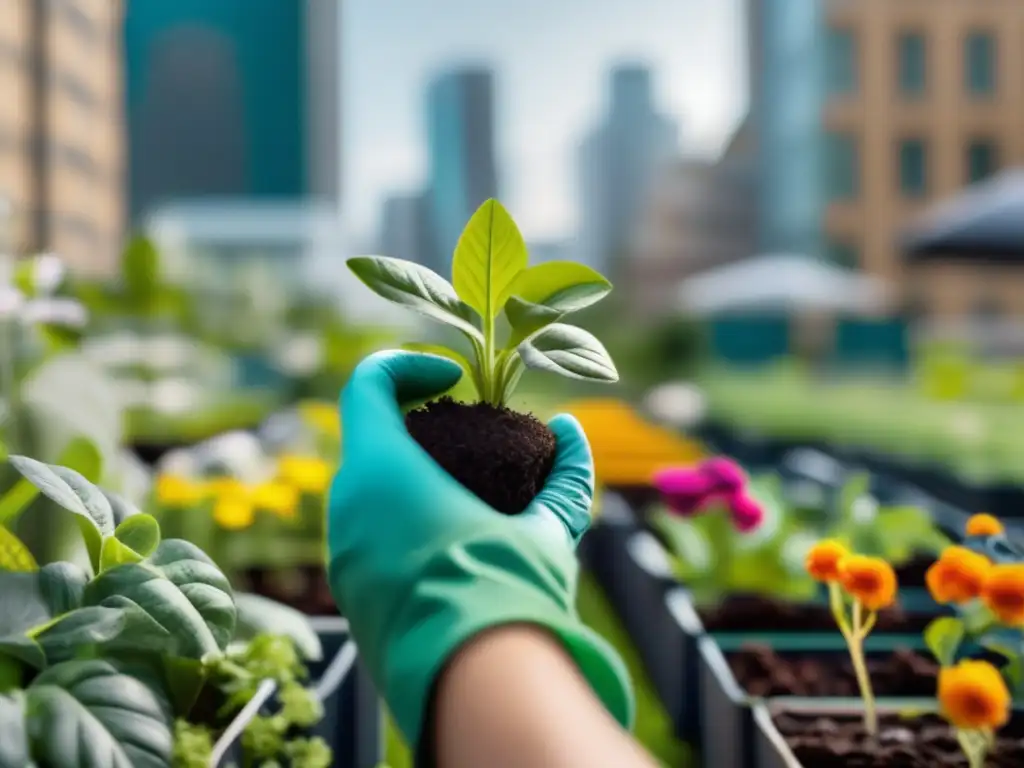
{"type": "Point", "coordinates": [980, 63]}
{"type": "Point", "coordinates": [982, 159]}
{"type": "Point", "coordinates": [841, 61]}
{"type": "Point", "coordinates": [913, 63]}
{"type": "Point", "coordinates": [913, 166]}
{"type": "Point", "coordinates": [842, 166]}
{"type": "Point", "coordinates": [843, 253]}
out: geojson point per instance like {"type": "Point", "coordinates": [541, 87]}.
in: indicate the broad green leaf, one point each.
{"type": "Point", "coordinates": [416, 287]}
{"type": "Point", "coordinates": [82, 456]}
{"type": "Point", "coordinates": [75, 494]}
{"type": "Point", "coordinates": [181, 589]}
{"type": "Point", "coordinates": [568, 351]}
{"type": "Point", "coordinates": [488, 258]}
{"type": "Point", "coordinates": [83, 627]}
{"type": "Point", "coordinates": [258, 615]}
{"type": "Point", "coordinates": [140, 532]}
{"type": "Point", "coordinates": [114, 552]}
{"type": "Point", "coordinates": [943, 637]}
{"type": "Point", "coordinates": [87, 714]}
{"type": "Point", "coordinates": [14, 555]}
{"type": "Point", "coordinates": [21, 494]}
{"type": "Point", "coordinates": [140, 268]}
{"type": "Point", "coordinates": [14, 744]}
{"type": "Point", "coordinates": [121, 507]}
{"type": "Point", "coordinates": [470, 374]}
{"type": "Point", "coordinates": [31, 599]}
{"type": "Point", "coordinates": [565, 286]}
{"type": "Point", "coordinates": [526, 318]}
{"type": "Point", "coordinates": [23, 650]}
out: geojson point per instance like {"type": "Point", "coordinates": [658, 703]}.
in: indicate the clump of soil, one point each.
{"type": "Point", "coordinates": [821, 741]}
{"type": "Point", "coordinates": [502, 456]}
{"type": "Point", "coordinates": [911, 573]}
{"type": "Point", "coordinates": [757, 613]}
{"type": "Point", "coordinates": [762, 672]}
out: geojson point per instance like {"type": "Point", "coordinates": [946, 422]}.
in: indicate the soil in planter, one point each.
{"type": "Point", "coordinates": [502, 456]}
{"type": "Point", "coordinates": [762, 672]}
{"type": "Point", "coordinates": [757, 613]}
{"type": "Point", "coordinates": [304, 589]}
{"type": "Point", "coordinates": [924, 742]}
{"type": "Point", "coordinates": [911, 573]}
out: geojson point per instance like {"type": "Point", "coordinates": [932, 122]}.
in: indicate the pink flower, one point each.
{"type": "Point", "coordinates": [726, 474]}
{"type": "Point", "coordinates": [686, 490]}
{"type": "Point", "coordinates": [747, 514]}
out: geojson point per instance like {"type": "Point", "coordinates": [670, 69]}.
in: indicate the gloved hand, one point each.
{"type": "Point", "coordinates": [419, 565]}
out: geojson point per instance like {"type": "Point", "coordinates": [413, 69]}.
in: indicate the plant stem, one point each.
{"type": "Point", "coordinates": [975, 749]}
{"type": "Point", "coordinates": [856, 642]}
{"type": "Point", "coordinates": [492, 393]}
{"type": "Point", "coordinates": [9, 385]}
{"type": "Point", "coordinates": [720, 537]}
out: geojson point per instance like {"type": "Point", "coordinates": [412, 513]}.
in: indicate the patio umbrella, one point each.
{"type": "Point", "coordinates": [986, 221]}
{"type": "Point", "coordinates": [780, 282]}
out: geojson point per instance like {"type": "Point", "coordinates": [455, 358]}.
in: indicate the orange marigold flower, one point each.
{"type": "Point", "coordinates": [822, 562]}
{"type": "Point", "coordinates": [1003, 593]}
{"type": "Point", "coordinates": [870, 580]}
{"type": "Point", "coordinates": [984, 524]}
{"type": "Point", "coordinates": [957, 576]}
{"type": "Point", "coordinates": [973, 695]}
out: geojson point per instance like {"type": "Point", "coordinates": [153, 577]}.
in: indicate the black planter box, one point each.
{"type": "Point", "coordinates": [1004, 500]}
{"type": "Point", "coordinates": [727, 721]}
{"type": "Point", "coordinates": [601, 550]}
{"type": "Point", "coordinates": [351, 725]}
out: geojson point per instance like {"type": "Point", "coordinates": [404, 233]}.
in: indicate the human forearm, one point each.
{"type": "Point", "coordinates": [513, 698]}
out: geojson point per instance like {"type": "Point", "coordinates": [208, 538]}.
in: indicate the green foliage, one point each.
{"type": "Point", "coordinates": [140, 271]}
{"type": "Point", "coordinates": [491, 278]}
{"type": "Point", "coordinates": [122, 658]}
{"type": "Point", "coordinates": [943, 638]}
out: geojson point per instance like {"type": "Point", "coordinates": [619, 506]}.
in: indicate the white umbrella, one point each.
{"type": "Point", "coordinates": [781, 282]}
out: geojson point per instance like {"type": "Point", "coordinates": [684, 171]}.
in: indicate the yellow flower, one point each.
{"type": "Point", "coordinates": [321, 416]}
{"type": "Point", "coordinates": [984, 524]}
{"type": "Point", "coordinates": [957, 576]}
{"type": "Point", "coordinates": [1003, 593]}
{"type": "Point", "coordinates": [307, 473]}
{"type": "Point", "coordinates": [870, 580]}
{"type": "Point", "coordinates": [973, 696]}
{"type": "Point", "coordinates": [822, 562]}
{"type": "Point", "coordinates": [176, 491]}
{"type": "Point", "coordinates": [224, 486]}
{"type": "Point", "coordinates": [276, 497]}
{"type": "Point", "coordinates": [233, 508]}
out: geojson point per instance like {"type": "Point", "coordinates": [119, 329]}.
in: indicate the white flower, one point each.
{"type": "Point", "coordinates": [47, 273]}
{"type": "Point", "coordinates": [174, 396]}
{"type": "Point", "coordinates": [181, 461]}
{"type": "Point", "coordinates": [66, 312]}
{"type": "Point", "coordinates": [11, 302]}
{"type": "Point", "coordinates": [677, 403]}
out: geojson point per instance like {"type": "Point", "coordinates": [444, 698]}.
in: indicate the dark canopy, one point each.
{"type": "Point", "coordinates": [983, 223]}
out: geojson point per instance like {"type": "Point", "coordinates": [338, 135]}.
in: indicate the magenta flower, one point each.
{"type": "Point", "coordinates": [726, 474]}
{"type": "Point", "coordinates": [685, 490]}
{"type": "Point", "coordinates": [747, 513]}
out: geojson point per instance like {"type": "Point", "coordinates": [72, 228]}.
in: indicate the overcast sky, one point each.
{"type": "Point", "coordinates": [551, 59]}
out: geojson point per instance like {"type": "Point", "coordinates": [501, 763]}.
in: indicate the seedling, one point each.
{"type": "Point", "coordinates": [491, 279]}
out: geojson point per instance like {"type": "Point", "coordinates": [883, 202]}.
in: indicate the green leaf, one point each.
{"type": "Point", "coordinates": [83, 456]}
{"type": "Point", "coordinates": [16, 499]}
{"type": "Point", "coordinates": [259, 615]}
{"type": "Point", "coordinates": [853, 489]}
{"type": "Point", "coordinates": [943, 637]}
{"type": "Point", "coordinates": [74, 493]}
{"type": "Point", "coordinates": [565, 286]}
{"type": "Point", "coordinates": [14, 744]}
{"type": "Point", "coordinates": [87, 714]}
{"type": "Point", "coordinates": [69, 634]}
{"type": "Point", "coordinates": [418, 288]}
{"type": "Point", "coordinates": [526, 318]}
{"type": "Point", "coordinates": [114, 553]}
{"type": "Point", "coordinates": [14, 555]}
{"type": "Point", "coordinates": [140, 532]}
{"type": "Point", "coordinates": [512, 368]}
{"type": "Point", "coordinates": [470, 374]}
{"type": "Point", "coordinates": [489, 257]}
{"type": "Point", "coordinates": [31, 599]}
{"type": "Point", "coordinates": [181, 589]}
{"type": "Point", "coordinates": [121, 507]}
{"type": "Point", "coordinates": [23, 650]}
{"type": "Point", "coordinates": [140, 267]}
{"type": "Point", "coordinates": [568, 351]}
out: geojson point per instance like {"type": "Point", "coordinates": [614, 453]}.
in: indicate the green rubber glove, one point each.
{"type": "Point", "coordinates": [419, 565]}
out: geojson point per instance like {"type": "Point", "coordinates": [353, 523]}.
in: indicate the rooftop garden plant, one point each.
{"type": "Point", "coordinates": [509, 315]}
{"type": "Point", "coordinates": [141, 654]}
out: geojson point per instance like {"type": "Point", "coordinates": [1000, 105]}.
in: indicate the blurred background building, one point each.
{"type": "Point", "coordinates": [61, 141]}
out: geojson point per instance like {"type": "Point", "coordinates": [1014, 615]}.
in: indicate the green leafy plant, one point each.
{"type": "Point", "coordinates": [143, 652]}
{"type": "Point", "coordinates": [491, 279]}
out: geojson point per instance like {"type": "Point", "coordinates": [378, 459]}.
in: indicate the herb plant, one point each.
{"type": "Point", "coordinates": [491, 278]}
{"type": "Point", "coordinates": [143, 652]}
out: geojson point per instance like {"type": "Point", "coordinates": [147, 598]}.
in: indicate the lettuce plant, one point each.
{"type": "Point", "coordinates": [491, 279]}
{"type": "Point", "coordinates": [143, 652]}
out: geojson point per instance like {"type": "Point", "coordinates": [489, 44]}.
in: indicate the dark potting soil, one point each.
{"type": "Point", "coordinates": [820, 741]}
{"type": "Point", "coordinates": [304, 589]}
{"type": "Point", "coordinates": [762, 672]}
{"type": "Point", "coordinates": [756, 613]}
{"type": "Point", "coordinates": [911, 573]}
{"type": "Point", "coordinates": [502, 456]}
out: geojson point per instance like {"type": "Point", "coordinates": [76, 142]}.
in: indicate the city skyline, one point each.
{"type": "Point", "coordinates": [545, 104]}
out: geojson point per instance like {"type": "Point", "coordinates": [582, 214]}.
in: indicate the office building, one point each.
{"type": "Point", "coordinates": [617, 163]}
{"type": "Point", "coordinates": [61, 164]}
{"type": "Point", "coordinates": [868, 111]}
{"type": "Point", "coordinates": [403, 228]}
{"type": "Point", "coordinates": [234, 99]}
{"type": "Point", "coordinates": [462, 171]}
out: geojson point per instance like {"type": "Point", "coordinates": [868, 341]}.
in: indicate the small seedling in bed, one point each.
{"type": "Point", "coordinates": [859, 587]}
{"type": "Point", "coordinates": [502, 456]}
